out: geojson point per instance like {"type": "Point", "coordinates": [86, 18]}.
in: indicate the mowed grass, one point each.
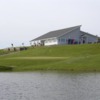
{"type": "Point", "coordinates": [66, 57]}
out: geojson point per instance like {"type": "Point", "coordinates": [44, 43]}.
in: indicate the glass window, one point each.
{"type": "Point", "coordinates": [62, 40]}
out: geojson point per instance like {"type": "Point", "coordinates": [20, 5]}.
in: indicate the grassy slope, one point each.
{"type": "Point", "coordinates": [75, 57]}
{"type": "Point", "coordinates": [3, 52]}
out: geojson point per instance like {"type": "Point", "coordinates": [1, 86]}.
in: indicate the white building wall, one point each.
{"type": "Point", "coordinates": [35, 43]}
{"type": "Point", "coordinates": [51, 41]}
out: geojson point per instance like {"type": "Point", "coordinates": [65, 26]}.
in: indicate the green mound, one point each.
{"type": "Point", "coordinates": [66, 57]}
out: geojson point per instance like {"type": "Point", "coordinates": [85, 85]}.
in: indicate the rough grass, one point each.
{"type": "Point", "coordinates": [67, 57]}
{"type": "Point", "coordinates": [2, 52]}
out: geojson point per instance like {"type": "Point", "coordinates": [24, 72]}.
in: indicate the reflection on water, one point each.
{"type": "Point", "coordinates": [49, 86]}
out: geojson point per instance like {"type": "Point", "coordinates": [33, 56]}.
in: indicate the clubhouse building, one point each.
{"type": "Point", "coordinates": [71, 35]}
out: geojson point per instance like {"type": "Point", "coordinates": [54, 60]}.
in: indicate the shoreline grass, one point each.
{"type": "Point", "coordinates": [5, 68]}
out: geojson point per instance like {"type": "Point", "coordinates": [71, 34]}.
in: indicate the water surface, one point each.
{"type": "Point", "coordinates": [49, 86]}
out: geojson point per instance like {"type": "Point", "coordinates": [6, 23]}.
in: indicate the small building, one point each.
{"type": "Point", "coordinates": [72, 35]}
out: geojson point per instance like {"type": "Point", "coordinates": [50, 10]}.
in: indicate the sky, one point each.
{"type": "Point", "coordinates": [24, 20]}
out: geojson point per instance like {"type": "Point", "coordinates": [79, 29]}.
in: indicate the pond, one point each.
{"type": "Point", "coordinates": [49, 86]}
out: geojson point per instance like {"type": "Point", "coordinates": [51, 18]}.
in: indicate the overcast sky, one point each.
{"type": "Point", "coordinates": [24, 20]}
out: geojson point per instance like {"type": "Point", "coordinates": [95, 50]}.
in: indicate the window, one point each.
{"type": "Point", "coordinates": [62, 40]}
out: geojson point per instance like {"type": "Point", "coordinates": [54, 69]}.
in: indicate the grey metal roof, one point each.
{"type": "Point", "coordinates": [88, 33]}
{"type": "Point", "coordinates": [56, 33]}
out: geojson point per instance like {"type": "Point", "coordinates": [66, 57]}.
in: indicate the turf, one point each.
{"type": "Point", "coordinates": [84, 57]}
{"type": "Point", "coordinates": [2, 52]}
